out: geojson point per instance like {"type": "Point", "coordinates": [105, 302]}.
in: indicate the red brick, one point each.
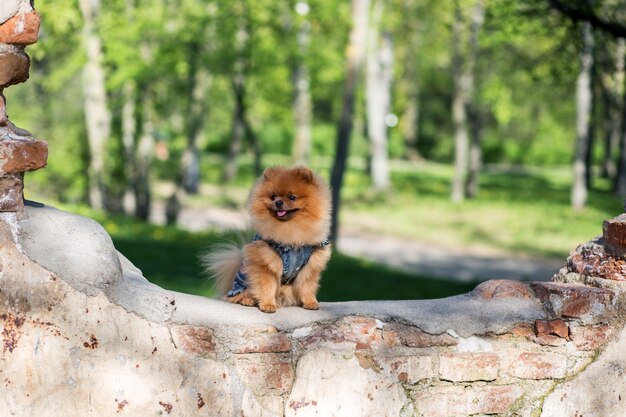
{"type": "Point", "coordinates": [551, 332]}
{"type": "Point", "coordinates": [410, 369]}
{"type": "Point", "coordinates": [614, 232]}
{"type": "Point", "coordinates": [595, 261]}
{"type": "Point", "coordinates": [22, 155]}
{"type": "Point", "coordinates": [196, 340]}
{"type": "Point", "coordinates": [552, 327]}
{"type": "Point", "coordinates": [519, 330]}
{"type": "Point", "coordinates": [536, 365]}
{"type": "Point", "coordinates": [362, 332]}
{"type": "Point", "coordinates": [21, 29]}
{"type": "Point", "coordinates": [576, 301]}
{"type": "Point", "coordinates": [590, 337]}
{"type": "Point", "coordinates": [502, 288]}
{"type": "Point", "coordinates": [395, 334]}
{"type": "Point", "coordinates": [14, 68]}
{"type": "Point", "coordinates": [264, 340]}
{"type": "Point", "coordinates": [266, 372]}
{"type": "Point", "coordinates": [456, 401]}
{"type": "Point", "coordinates": [12, 192]}
{"type": "Point", "coordinates": [467, 367]}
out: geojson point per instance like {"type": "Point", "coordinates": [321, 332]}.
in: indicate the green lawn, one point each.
{"type": "Point", "coordinates": [169, 257]}
{"type": "Point", "coordinates": [521, 213]}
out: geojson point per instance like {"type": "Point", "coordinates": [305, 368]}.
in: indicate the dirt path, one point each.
{"type": "Point", "coordinates": [413, 257]}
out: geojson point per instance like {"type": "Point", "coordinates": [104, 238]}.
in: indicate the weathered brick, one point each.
{"type": "Point", "coordinates": [590, 337]}
{"type": "Point", "coordinates": [553, 327]}
{"type": "Point", "coordinates": [614, 232]}
{"type": "Point", "coordinates": [409, 369]}
{"type": "Point", "coordinates": [266, 372]}
{"type": "Point", "coordinates": [264, 339]}
{"type": "Point", "coordinates": [14, 68]}
{"type": "Point", "coordinates": [395, 334]}
{"type": "Point", "coordinates": [535, 365]}
{"type": "Point", "coordinates": [21, 29]}
{"type": "Point", "coordinates": [12, 192]}
{"type": "Point", "coordinates": [456, 401]}
{"type": "Point", "coordinates": [502, 288]}
{"type": "Point", "coordinates": [361, 332]}
{"type": "Point", "coordinates": [196, 340]}
{"type": "Point", "coordinates": [467, 367]}
{"type": "Point", "coordinates": [551, 332]}
{"type": "Point", "coordinates": [21, 155]}
{"type": "Point", "coordinates": [591, 304]}
{"type": "Point", "coordinates": [593, 260]}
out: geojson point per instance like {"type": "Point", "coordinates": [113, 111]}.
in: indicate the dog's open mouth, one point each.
{"type": "Point", "coordinates": [284, 214]}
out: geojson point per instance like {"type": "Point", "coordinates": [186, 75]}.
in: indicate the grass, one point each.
{"type": "Point", "coordinates": [524, 213]}
{"type": "Point", "coordinates": [168, 257]}
{"type": "Point", "coordinates": [521, 212]}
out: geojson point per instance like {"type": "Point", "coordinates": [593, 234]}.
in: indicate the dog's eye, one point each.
{"type": "Point", "coordinates": [274, 197]}
{"type": "Point", "coordinates": [292, 197]}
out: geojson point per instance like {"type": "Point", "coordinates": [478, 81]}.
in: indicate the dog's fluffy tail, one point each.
{"type": "Point", "coordinates": [221, 263]}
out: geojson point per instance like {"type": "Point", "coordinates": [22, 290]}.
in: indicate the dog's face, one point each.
{"type": "Point", "coordinates": [290, 205]}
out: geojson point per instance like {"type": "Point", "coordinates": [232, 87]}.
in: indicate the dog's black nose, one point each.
{"type": "Point", "coordinates": [279, 203]}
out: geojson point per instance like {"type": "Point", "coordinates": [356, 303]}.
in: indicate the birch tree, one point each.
{"type": "Point", "coordinates": [584, 100]}
{"type": "Point", "coordinates": [302, 103]}
{"type": "Point", "coordinates": [97, 116]}
{"type": "Point", "coordinates": [355, 55]}
{"type": "Point", "coordinates": [378, 102]}
{"type": "Point", "coordinates": [463, 64]}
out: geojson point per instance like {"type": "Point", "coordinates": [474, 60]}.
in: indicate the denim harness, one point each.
{"type": "Point", "coordinates": [294, 259]}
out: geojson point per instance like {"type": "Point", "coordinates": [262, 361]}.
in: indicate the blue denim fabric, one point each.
{"type": "Point", "coordinates": [294, 258]}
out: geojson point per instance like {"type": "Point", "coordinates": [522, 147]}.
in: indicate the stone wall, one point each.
{"type": "Point", "coordinates": [83, 333]}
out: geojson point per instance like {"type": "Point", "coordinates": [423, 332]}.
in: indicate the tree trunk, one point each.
{"type": "Point", "coordinates": [463, 81]}
{"type": "Point", "coordinates": [379, 76]}
{"type": "Point", "coordinates": [472, 186]}
{"type": "Point", "coordinates": [411, 117]}
{"type": "Point", "coordinates": [236, 139]}
{"type": "Point", "coordinates": [583, 116]}
{"type": "Point", "coordinates": [355, 55]}
{"type": "Point", "coordinates": [97, 115]}
{"type": "Point", "coordinates": [241, 126]}
{"type": "Point", "coordinates": [619, 188]}
{"type": "Point", "coordinates": [129, 131]}
{"type": "Point", "coordinates": [143, 161]}
{"type": "Point", "coordinates": [302, 105]}
{"type": "Point", "coordinates": [241, 129]}
{"type": "Point", "coordinates": [197, 87]}
{"type": "Point", "coordinates": [613, 103]}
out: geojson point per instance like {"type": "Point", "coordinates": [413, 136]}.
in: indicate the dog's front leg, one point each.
{"type": "Point", "coordinates": [308, 281]}
{"type": "Point", "coordinates": [264, 269]}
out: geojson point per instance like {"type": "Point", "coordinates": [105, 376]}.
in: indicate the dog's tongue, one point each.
{"type": "Point", "coordinates": [281, 213]}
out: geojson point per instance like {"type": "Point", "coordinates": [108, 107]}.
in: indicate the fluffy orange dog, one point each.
{"type": "Point", "coordinates": [290, 213]}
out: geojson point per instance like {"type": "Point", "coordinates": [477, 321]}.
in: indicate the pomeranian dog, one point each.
{"type": "Point", "coordinates": [290, 213]}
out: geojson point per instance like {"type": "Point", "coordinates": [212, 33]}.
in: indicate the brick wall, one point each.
{"type": "Point", "coordinates": [19, 151]}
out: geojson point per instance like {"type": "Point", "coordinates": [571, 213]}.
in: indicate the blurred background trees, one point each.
{"type": "Point", "coordinates": [133, 92]}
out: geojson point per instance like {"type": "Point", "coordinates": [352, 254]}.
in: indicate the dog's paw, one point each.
{"type": "Point", "coordinates": [248, 301]}
{"type": "Point", "coordinates": [267, 308]}
{"type": "Point", "coordinates": [311, 306]}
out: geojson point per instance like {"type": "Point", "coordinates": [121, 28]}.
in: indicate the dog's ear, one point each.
{"type": "Point", "coordinates": [270, 172]}
{"type": "Point", "coordinates": [305, 174]}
